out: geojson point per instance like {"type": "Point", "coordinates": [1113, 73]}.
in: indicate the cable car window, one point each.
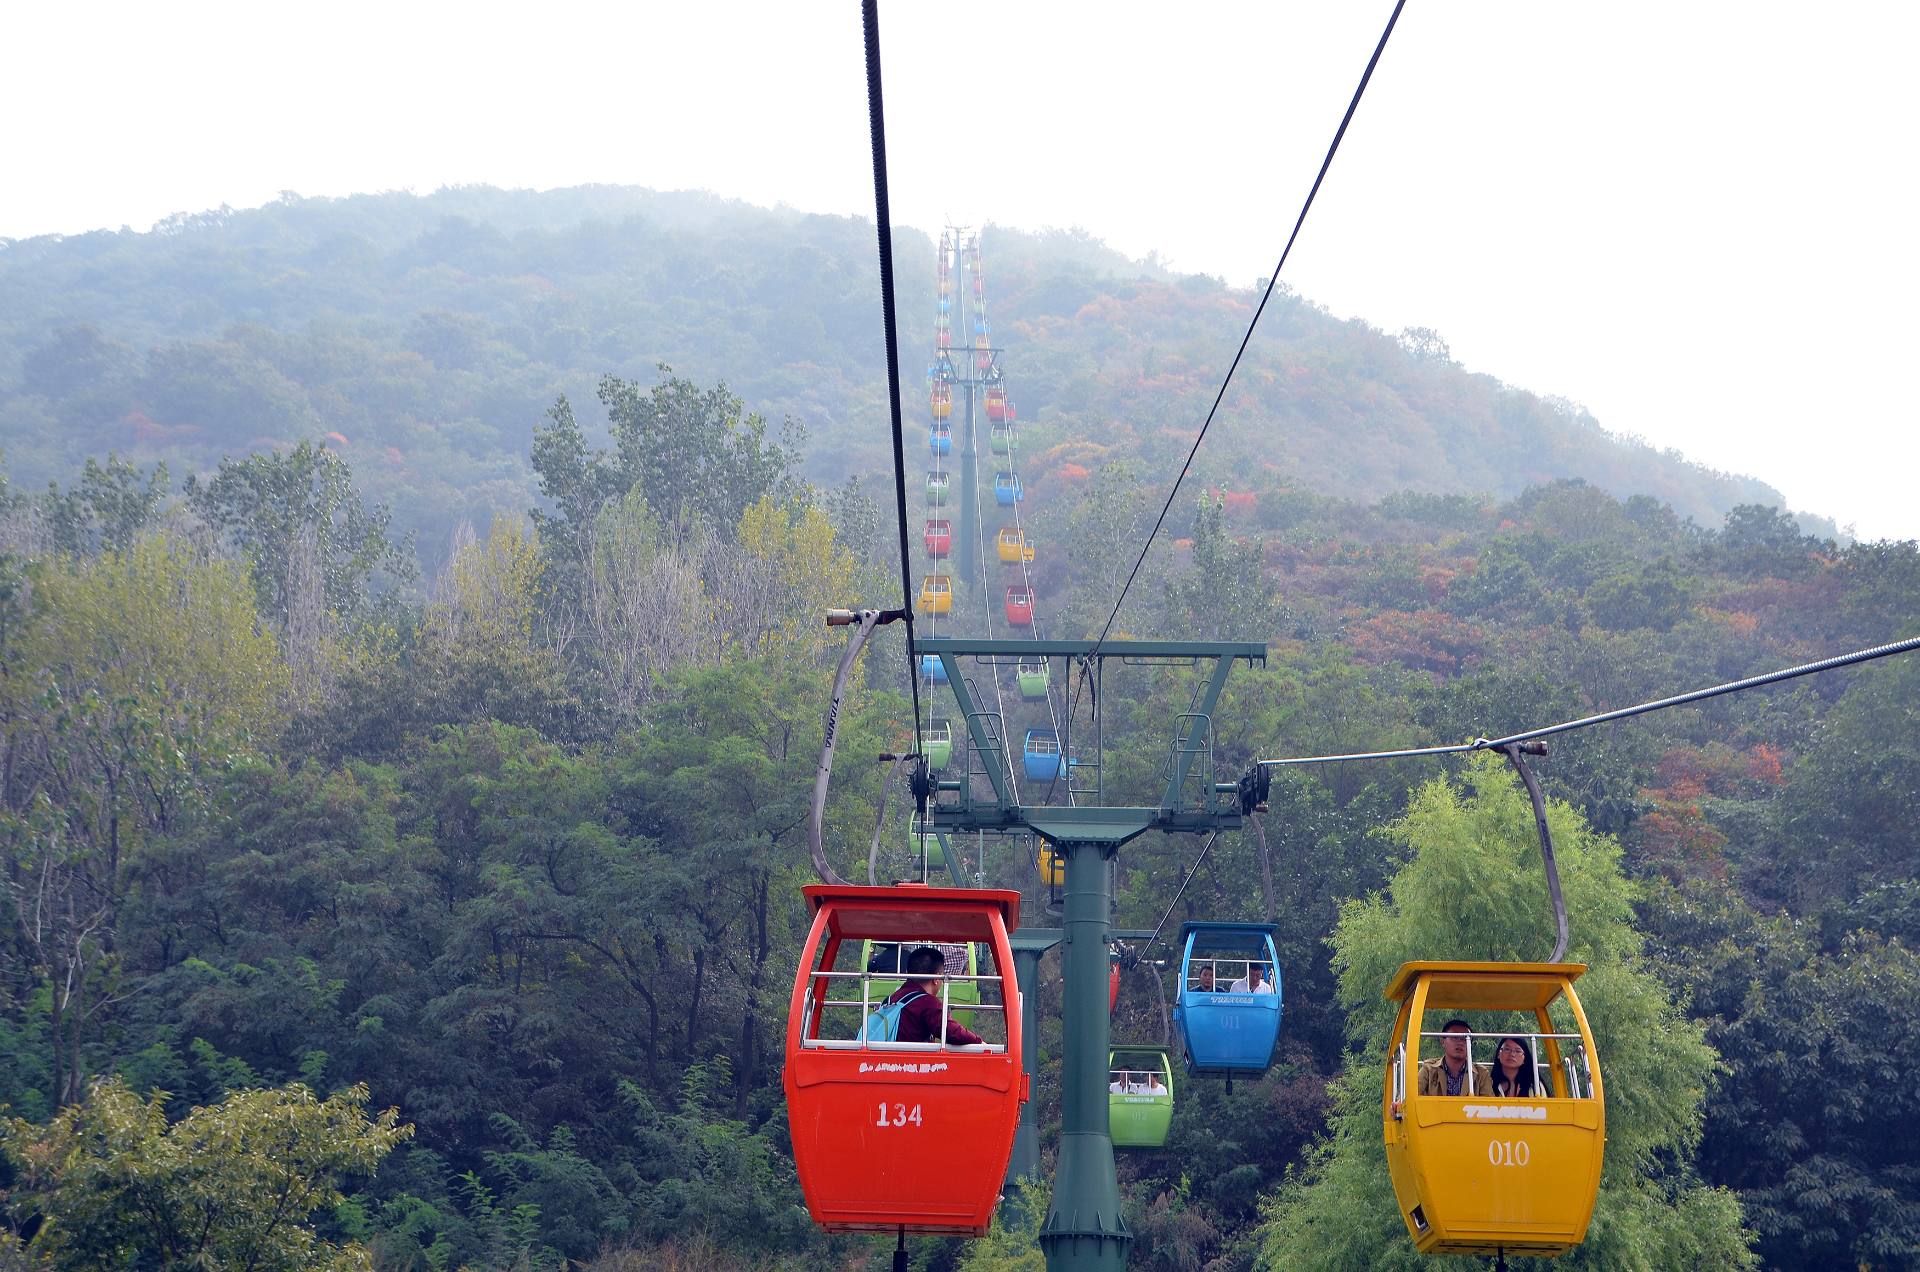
{"type": "Point", "coordinates": [841, 1001]}
{"type": "Point", "coordinates": [1520, 1055]}
{"type": "Point", "coordinates": [1223, 963]}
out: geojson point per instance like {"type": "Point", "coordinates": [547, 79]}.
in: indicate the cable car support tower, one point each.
{"type": "Point", "coordinates": [1084, 1229]}
{"type": "Point", "coordinates": [957, 536]}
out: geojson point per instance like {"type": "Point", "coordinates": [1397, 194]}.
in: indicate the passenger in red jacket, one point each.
{"type": "Point", "coordinates": [920, 1018]}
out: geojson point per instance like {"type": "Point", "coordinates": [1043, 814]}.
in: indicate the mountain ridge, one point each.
{"type": "Point", "coordinates": [427, 336]}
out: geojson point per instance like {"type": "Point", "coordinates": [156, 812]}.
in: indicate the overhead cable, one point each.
{"type": "Point", "coordinates": [883, 224]}
{"type": "Point", "coordinates": [1272, 282]}
{"type": "Point", "coordinates": [1168, 912]}
{"type": "Point", "coordinates": [1605, 717]}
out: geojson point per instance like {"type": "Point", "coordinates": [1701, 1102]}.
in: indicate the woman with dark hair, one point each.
{"type": "Point", "coordinates": [1513, 1070]}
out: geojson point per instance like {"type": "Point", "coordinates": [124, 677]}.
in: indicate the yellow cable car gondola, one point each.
{"type": "Point", "coordinates": [1013, 546]}
{"type": "Point", "coordinates": [1514, 1172]}
{"type": "Point", "coordinates": [936, 594]}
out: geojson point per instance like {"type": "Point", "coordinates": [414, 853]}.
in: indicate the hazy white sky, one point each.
{"type": "Point", "coordinates": [1696, 218]}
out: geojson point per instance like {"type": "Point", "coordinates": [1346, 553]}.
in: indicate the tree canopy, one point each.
{"type": "Point", "coordinates": [1472, 888]}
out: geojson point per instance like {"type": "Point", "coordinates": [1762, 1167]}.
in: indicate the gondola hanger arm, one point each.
{"type": "Point", "coordinates": [867, 620]}
{"type": "Point", "coordinates": [1513, 751]}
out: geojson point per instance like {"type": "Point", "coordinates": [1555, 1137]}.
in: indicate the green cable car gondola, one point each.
{"type": "Point", "coordinates": [888, 957]}
{"type": "Point", "coordinates": [934, 841]}
{"type": "Point", "coordinates": [1033, 679]}
{"type": "Point", "coordinates": [1139, 1096]}
{"type": "Point", "coordinates": [937, 744]}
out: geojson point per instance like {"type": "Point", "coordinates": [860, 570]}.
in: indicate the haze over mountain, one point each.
{"type": "Point", "coordinates": [426, 337]}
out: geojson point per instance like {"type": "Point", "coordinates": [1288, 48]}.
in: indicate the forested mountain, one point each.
{"type": "Point", "coordinates": [520, 862]}
{"type": "Point", "coordinates": [358, 914]}
{"type": "Point", "coordinates": [426, 336]}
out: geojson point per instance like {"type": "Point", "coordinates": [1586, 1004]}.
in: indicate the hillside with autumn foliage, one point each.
{"type": "Point", "coordinates": [458, 888]}
{"type": "Point", "coordinates": [425, 338]}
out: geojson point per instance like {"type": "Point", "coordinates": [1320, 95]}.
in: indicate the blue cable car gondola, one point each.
{"type": "Point", "coordinates": [1043, 761]}
{"type": "Point", "coordinates": [932, 670]}
{"type": "Point", "coordinates": [940, 438]}
{"type": "Point", "coordinates": [1006, 489]}
{"type": "Point", "coordinates": [1227, 1011]}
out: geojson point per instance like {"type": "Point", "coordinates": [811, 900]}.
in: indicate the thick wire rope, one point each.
{"type": "Point", "coordinates": [883, 227]}
{"type": "Point", "coordinates": [1606, 717]}
{"type": "Point", "coordinates": [1135, 955]}
{"type": "Point", "coordinates": [933, 565]}
{"type": "Point", "coordinates": [933, 616]}
{"type": "Point", "coordinates": [1026, 580]}
{"type": "Point", "coordinates": [1272, 282]}
{"type": "Point", "coordinates": [962, 257]}
{"type": "Point", "coordinates": [999, 702]}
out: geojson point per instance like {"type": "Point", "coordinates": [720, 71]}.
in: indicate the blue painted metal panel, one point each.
{"type": "Point", "coordinates": [1221, 1031]}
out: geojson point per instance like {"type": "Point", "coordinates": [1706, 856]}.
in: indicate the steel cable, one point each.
{"type": "Point", "coordinates": [883, 225]}
{"type": "Point", "coordinates": [1272, 282]}
{"type": "Point", "coordinates": [1607, 717]}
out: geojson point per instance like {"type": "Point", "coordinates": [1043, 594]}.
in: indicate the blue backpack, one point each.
{"type": "Point", "coordinates": [883, 1025]}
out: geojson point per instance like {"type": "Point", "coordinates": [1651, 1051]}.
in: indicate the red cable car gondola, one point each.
{"type": "Point", "coordinates": [901, 1136]}
{"type": "Point", "coordinates": [1020, 605]}
{"type": "Point", "coordinates": [939, 537]}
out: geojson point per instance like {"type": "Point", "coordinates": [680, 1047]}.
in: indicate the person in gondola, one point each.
{"type": "Point", "coordinates": [1452, 1072]}
{"type": "Point", "coordinates": [1203, 980]}
{"type": "Point", "coordinates": [1254, 982]}
{"type": "Point", "coordinates": [1513, 1070]}
{"type": "Point", "coordinates": [920, 1018]}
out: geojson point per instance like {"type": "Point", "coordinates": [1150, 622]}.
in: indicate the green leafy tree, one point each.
{"type": "Point", "coordinates": [1012, 1244]}
{"type": "Point", "coordinates": [1822, 1181]}
{"type": "Point", "coordinates": [111, 1185]}
{"type": "Point", "coordinates": [106, 509]}
{"type": "Point", "coordinates": [482, 653]}
{"type": "Point", "coordinates": [697, 456]}
{"type": "Point", "coordinates": [1656, 595]}
{"type": "Point", "coordinates": [1760, 541]}
{"type": "Point", "coordinates": [1503, 581]}
{"type": "Point", "coordinates": [1471, 888]}
{"type": "Point", "coordinates": [1844, 822]}
{"type": "Point", "coordinates": [140, 677]}
{"type": "Point", "coordinates": [1222, 595]}
{"type": "Point", "coordinates": [300, 523]}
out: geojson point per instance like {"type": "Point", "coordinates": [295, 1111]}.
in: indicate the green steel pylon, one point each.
{"type": "Point", "coordinates": [1084, 1230]}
